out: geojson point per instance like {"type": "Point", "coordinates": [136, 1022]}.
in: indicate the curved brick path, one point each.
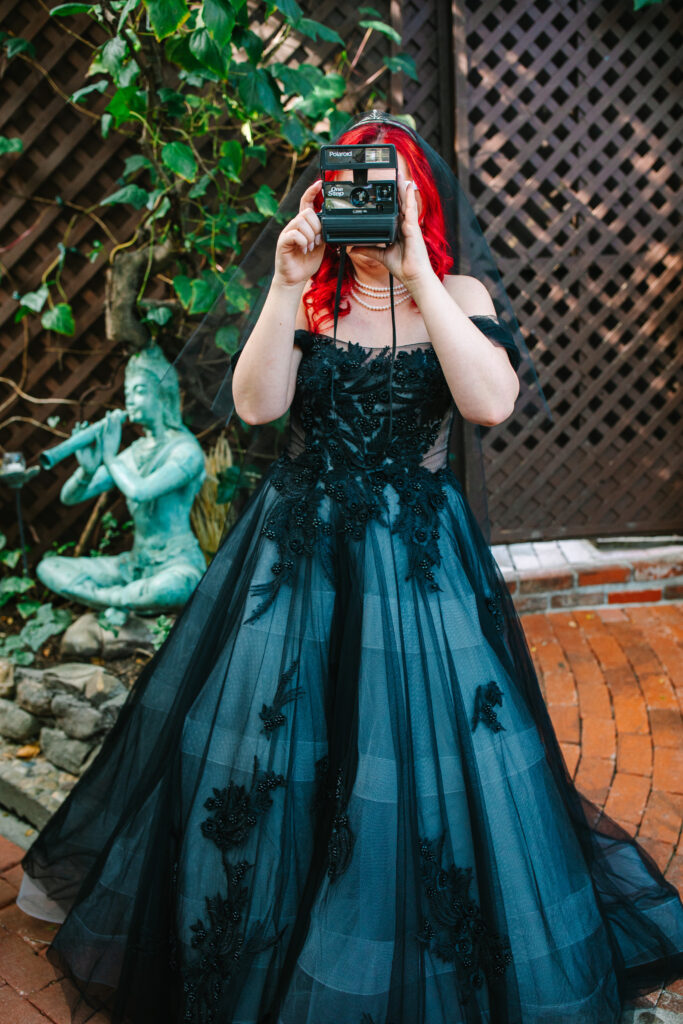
{"type": "Point", "coordinates": [613, 681]}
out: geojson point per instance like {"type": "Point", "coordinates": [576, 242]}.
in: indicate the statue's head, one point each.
{"type": "Point", "coordinates": [151, 380]}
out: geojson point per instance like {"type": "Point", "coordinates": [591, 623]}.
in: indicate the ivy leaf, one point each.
{"type": "Point", "coordinates": [226, 338]}
{"type": "Point", "coordinates": [198, 295]}
{"type": "Point", "coordinates": [63, 10]}
{"type": "Point", "coordinates": [314, 30]}
{"type": "Point", "coordinates": [402, 62]}
{"type": "Point", "coordinates": [17, 45]}
{"type": "Point", "coordinates": [207, 53]}
{"type": "Point", "coordinates": [250, 42]}
{"type": "Point", "coordinates": [289, 8]}
{"type": "Point", "coordinates": [265, 201]}
{"type": "Point", "coordinates": [135, 163]}
{"type": "Point", "coordinates": [166, 16]}
{"type": "Point", "coordinates": [174, 102]}
{"type": "Point", "coordinates": [158, 315]}
{"type": "Point", "coordinates": [59, 319]}
{"type": "Point", "coordinates": [295, 132]}
{"type": "Point", "coordinates": [258, 93]}
{"type": "Point", "coordinates": [77, 96]}
{"type": "Point", "coordinates": [132, 194]}
{"type": "Point", "coordinates": [180, 159]}
{"type": "Point", "coordinates": [298, 81]}
{"type": "Point", "coordinates": [324, 96]}
{"type": "Point", "coordinates": [231, 159]}
{"type": "Point", "coordinates": [381, 26]}
{"type": "Point", "coordinates": [200, 188]}
{"type": "Point", "coordinates": [32, 301]}
{"type": "Point", "coordinates": [259, 152]}
{"type": "Point", "coordinates": [125, 102]}
{"type": "Point", "coordinates": [111, 57]}
{"type": "Point", "coordinates": [219, 19]}
{"type": "Point", "coordinates": [10, 145]}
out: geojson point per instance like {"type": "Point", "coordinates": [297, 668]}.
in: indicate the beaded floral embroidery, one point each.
{"type": "Point", "coordinates": [487, 694]}
{"type": "Point", "coordinates": [345, 460]}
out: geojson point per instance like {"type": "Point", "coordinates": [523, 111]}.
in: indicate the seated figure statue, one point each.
{"type": "Point", "coordinates": [159, 475]}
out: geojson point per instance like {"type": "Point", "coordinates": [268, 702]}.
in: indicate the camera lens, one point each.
{"type": "Point", "coordinates": [359, 196]}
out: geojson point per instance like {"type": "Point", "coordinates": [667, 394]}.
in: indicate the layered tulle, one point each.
{"type": "Point", "coordinates": [351, 809]}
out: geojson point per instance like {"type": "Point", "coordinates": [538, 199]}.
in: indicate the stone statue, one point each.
{"type": "Point", "coordinates": [159, 475]}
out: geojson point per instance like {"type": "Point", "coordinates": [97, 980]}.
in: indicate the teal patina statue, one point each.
{"type": "Point", "coordinates": [159, 475]}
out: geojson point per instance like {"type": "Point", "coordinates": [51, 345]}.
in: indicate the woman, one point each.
{"type": "Point", "coordinates": [335, 795]}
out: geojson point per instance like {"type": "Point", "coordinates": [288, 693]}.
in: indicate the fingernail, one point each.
{"type": "Point", "coordinates": [318, 239]}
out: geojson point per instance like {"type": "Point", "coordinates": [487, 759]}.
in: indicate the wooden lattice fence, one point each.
{"type": "Point", "coordinates": [563, 122]}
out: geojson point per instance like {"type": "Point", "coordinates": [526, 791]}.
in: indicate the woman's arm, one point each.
{"type": "Point", "coordinates": [264, 376]}
{"type": "Point", "coordinates": [479, 374]}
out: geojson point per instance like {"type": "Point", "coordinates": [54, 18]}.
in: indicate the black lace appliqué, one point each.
{"type": "Point", "coordinates": [341, 838]}
{"type": "Point", "coordinates": [455, 929]}
{"type": "Point", "coordinates": [271, 714]}
{"type": "Point", "coordinates": [222, 941]}
{"type": "Point", "coordinates": [487, 694]}
{"type": "Point", "coordinates": [494, 605]}
{"type": "Point", "coordinates": [345, 459]}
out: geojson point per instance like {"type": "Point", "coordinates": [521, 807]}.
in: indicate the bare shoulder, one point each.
{"type": "Point", "coordinates": [471, 295]}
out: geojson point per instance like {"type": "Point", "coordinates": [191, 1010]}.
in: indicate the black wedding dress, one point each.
{"type": "Point", "coordinates": [334, 795]}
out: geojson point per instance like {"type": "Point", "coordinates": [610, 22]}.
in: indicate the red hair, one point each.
{"type": "Point", "coordinates": [319, 298]}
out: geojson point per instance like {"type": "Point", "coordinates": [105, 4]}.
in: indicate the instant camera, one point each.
{"type": "Point", "coordinates": [359, 212]}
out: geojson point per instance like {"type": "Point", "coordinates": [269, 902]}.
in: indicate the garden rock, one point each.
{"type": "Point", "coordinates": [81, 679]}
{"type": "Point", "coordinates": [63, 751]}
{"type": "Point", "coordinates": [32, 695]}
{"type": "Point", "coordinates": [15, 723]}
{"type": "Point", "coordinates": [7, 683]}
{"type": "Point", "coordinates": [76, 718]}
{"type": "Point", "coordinates": [86, 638]}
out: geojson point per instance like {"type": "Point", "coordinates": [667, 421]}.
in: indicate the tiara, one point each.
{"type": "Point", "coordinates": [382, 117]}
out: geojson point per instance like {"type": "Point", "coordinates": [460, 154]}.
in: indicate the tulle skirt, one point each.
{"type": "Point", "coordinates": [350, 808]}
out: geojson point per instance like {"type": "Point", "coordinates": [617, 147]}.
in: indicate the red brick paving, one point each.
{"type": "Point", "coordinates": [613, 682]}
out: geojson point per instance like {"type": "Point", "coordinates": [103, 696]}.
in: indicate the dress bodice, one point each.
{"type": "Point", "coordinates": [341, 461]}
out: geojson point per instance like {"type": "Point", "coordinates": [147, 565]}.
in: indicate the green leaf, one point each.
{"type": "Point", "coordinates": [28, 607]}
{"type": "Point", "coordinates": [259, 152]}
{"type": "Point", "coordinates": [314, 30]}
{"type": "Point", "coordinates": [106, 122]}
{"type": "Point", "coordinates": [166, 16]}
{"type": "Point", "coordinates": [111, 57]}
{"type": "Point", "coordinates": [207, 53]}
{"type": "Point", "coordinates": [257, 90]}
{"type": "Point", "coordinates": [158, 315]}
{"type": "Point", "coordinates": [180, 159]}
{"type": "Point", "coordinates": [200, 188]}
{"type": "Point", "coordinates": [135, 163]}
{"type": "Point", "coordinates": [231, 159]}
{"type": "Point", "coordinates": [250, 42]}
{"type": "Point", "coordinates": [129, 6]}
{"type": "Point", "coordinates": [226, 338]}
{"type": "Point", "coordinates": [174, 102]}
{"type": "Point", "coordinates": [324, 96]}
{"type": "Point", "coordinates": [219, 19]}
{"type": "Point", "coordinates": [59, 319]}
{"type": "Point", "coordinates": [265, 201]}
{"type": "Point", "coordinates": [183, 289]}
{"type": "Point", "coordinates": [46, 623]}
{"type": "Point", "coordinates": [198, 295]}
{"type": "Point", "coordinates": [381, 26]}
{"type": "Point", "coordinates": [17, 45]}
{"type": "Point", "coordinates": [132, 194]}
{"type": "Point", "coordinates": [126, 101]}
{"type": "Point", "coordinates": [10, 145]}
{"type": "Point", "coordinates": [77, 96]}
{"type": "Point", "coordinates": [228, 482]}
{"type": "Point", "coordinates": [64, 10]}
{"type": "Point", "coordinates": [10, 586]}
{"type": "Point", "coordinates": [295, 132]}
{"type": "Point", "coordinates": [402, 62]}
{"type": "Point", "coordinates": [289, 8]}
{"type": "Point", "coordinates": [298, 81]}
{"type": "Point", "coordinates": [35, 300]}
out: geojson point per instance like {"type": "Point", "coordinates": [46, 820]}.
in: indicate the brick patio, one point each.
{"type": "Point", "coordinates": [613, 681]}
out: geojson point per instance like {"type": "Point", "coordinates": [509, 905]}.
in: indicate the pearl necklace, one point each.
{"type": "Point", "coordinates": [378, 292]}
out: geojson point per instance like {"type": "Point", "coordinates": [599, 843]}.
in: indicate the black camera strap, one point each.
{"type": "Point", "coordinates": [340, 278]}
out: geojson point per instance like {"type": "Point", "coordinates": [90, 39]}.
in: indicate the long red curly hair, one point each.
{"type": "Point", "coordinates": [319, 298]}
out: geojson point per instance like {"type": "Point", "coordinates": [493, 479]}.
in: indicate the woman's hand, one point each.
{"type": "Point", "coordinates": [300, 247]}
{"type": "Point", "coordinates": [407, 259]}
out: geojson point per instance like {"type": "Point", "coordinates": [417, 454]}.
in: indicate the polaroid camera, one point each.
{"type": "Point", "coordinates": [359, 212]}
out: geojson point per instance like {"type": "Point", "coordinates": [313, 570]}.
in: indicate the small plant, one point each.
{"type": "Point", "coordinates": [110, 530]}
{"type": "Point", "coordinates": [160, 628]}
{"type": "Point", "coordinates": [41, 620]}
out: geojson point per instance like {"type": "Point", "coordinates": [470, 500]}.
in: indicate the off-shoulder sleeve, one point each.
{"type": "Point", "coordinates": [498, 333]}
